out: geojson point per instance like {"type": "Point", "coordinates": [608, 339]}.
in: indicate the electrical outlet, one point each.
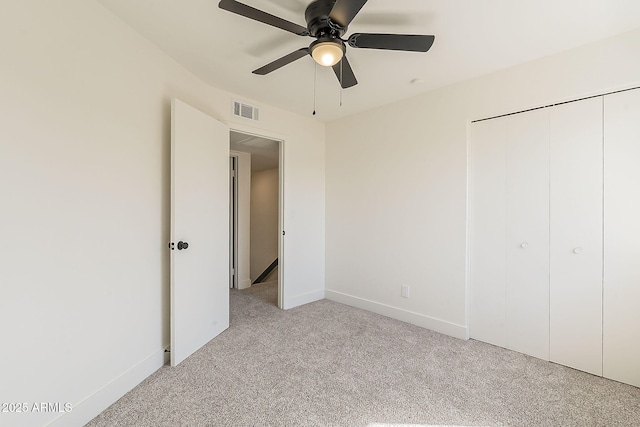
{"type": "Point", "coordinates": [405, 291]}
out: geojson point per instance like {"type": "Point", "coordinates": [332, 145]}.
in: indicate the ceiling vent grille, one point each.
{"type": "Point", "coordinates": [246, 111]}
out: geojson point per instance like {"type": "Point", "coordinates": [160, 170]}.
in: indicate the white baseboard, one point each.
{"type": "Point", "coordinates": [244, 284]}
{"type": "Point", "coordinates": [303, 299]}
{"type": "Point", "coordinates": [437, 325]}
{"type": "Point", "coordinates": [90, 407]}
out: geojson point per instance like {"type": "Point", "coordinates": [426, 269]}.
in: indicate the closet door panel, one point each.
{"type": "Point", "coordinates": [621, 349]}
{"type": "Point", "coordinates": [527, 234]}
{"type": "Point", "coordinates": [487, 231]}
{"type": "Point", "coordinates": [576, 235]}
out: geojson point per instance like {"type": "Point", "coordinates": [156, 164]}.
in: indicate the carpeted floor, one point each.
{"type": "Point", "coordinates": [327, 364]}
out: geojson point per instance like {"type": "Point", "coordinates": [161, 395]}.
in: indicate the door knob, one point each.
{"type": "Point", "coordinates": [524, 245]}
{"type": "Point", "coordinates": [577, 250]}
{"type": "Point", "coordinates": [182, 245]}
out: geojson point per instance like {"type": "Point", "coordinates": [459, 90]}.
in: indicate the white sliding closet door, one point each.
{"type": "Point", "coordinates": [509, 232]}
{"type": "Point", "coordinates": [576, 235]}
{"type": "Point", "coordinates": [621, 350]}
{"type": "Point", "coordinates": [487, 231]}
{"type": "Point", "coordinates": [554, 234]}
{"type": "Point", "coordinates": [527, 234]}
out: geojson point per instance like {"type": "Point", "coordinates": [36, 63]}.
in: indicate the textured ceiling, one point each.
{"type": "Point", "coordinates": [473, 37]}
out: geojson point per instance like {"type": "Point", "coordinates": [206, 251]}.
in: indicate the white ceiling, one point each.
{"type": "Point", "coordinates": [264, 152]}
{"type": "Point", "coordinates": [473, 37]}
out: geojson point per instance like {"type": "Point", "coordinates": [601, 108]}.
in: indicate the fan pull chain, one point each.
{"type": "Point", "coordinates": [341, 85]}
{"type": "Point", "coordinates": [315, 82]}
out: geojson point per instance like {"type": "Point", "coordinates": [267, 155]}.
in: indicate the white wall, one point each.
{"type": "Point", "coordinates": [396, 181]}
{"type": "Point", "coordinates": [84, 179]}
{"type": "Point", "coordinates": [264, 220]}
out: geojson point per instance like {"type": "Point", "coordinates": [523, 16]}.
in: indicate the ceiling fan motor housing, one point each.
{"type": "Point", "coordinates": [318, 22]}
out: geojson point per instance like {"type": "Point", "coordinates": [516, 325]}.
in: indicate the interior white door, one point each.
{"type": "Point", "coordinates": [576, 235]}
{"type": "Point", "coordinates": [487, 231]}
{"type": "Point", "coordinates": [199, 218]}
{"type": "Point", "coordinates": [621, 349]}
{"type": "Point", "coordinates": [527, 234]}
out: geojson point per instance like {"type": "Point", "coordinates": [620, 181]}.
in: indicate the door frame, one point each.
{"type": "Point", "coordinates": [281, 140]}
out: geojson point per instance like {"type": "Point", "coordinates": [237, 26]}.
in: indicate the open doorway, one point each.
{"type": "Point", "coordinates": [255, 212]}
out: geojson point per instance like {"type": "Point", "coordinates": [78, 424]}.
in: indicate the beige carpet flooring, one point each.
{"type": "Point", "coordinates": [327, 364]}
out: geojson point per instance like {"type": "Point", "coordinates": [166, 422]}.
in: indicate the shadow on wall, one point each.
{"type": "Point", "coordinates": [264, 222]}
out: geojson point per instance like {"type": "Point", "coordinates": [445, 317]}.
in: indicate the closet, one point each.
{"type": "Point", "coordinates": [546, 279]}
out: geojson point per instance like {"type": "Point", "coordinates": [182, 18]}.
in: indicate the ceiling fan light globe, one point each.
{"type": "Point", "coordinates": [327, 54]}
{"type": "Point", "coordinates": [327, 59]}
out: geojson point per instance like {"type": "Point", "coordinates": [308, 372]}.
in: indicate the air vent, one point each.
{"type": "Point", "coordinates": [246, 111]}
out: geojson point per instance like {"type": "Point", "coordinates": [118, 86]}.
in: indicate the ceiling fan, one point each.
{"type": "Point", "coordinates": [327, 22]}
